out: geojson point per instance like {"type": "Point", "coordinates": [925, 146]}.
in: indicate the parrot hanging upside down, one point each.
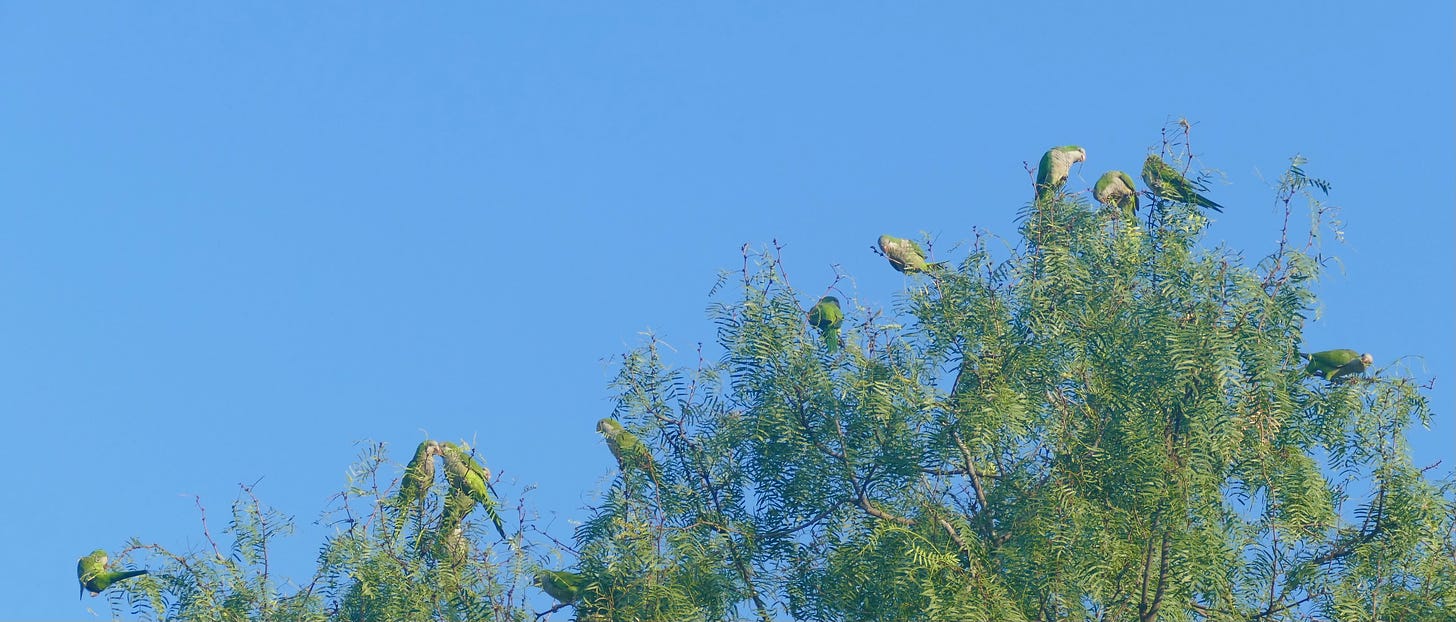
{"type": "Point", "coordinates": [562, 585]}
{"type": "Point", "coordinates": [92, 574]}
{"type": "Point", "coordinates": [1332, 364]}
{"type": "Point", "coordinates": [905, 255]}
{"type": "Point", "coordinates": [827, 317]}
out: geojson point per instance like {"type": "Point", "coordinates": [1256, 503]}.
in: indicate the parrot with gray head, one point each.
{"type": "Point", "coordinates": [465, 474]}
{"type": "Point", "coordinates": [1332, 364]}
{"type": "Point", "coordinates": [1116, 189]}
{"type": "Point", "coordinates": [1166, 182]}
{"type": "Point", "coordinates": [630, 452]}
{"type": "Point", "coordinates": [1055, 167]}
{"type": "Point", "coordinates": [906, 255]}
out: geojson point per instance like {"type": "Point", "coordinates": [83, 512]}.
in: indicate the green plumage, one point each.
{"type": "Point", "coordinates": [465, 474]}
{"type": "Point", "coordinates": [827, 317]}
{"type": "Point", "coordinates": [1332, 364]}
{"type": "Point", "coordinates": [92, 574]}
{"type": "Point", "coordinates": [564, 586]}
{"type": "Point", "coordinates": [1168, 183]}
{"type": "Point", "coordinates": [1055, 167]}
{"type": "Point", "coordinates": [419, 474]}
{"type": "Point", "coordinates": [1116, 189]}
{"type": "Point", "coordinates": [630, 452]}
{"type": "Point", "coordinates": [905, 255]}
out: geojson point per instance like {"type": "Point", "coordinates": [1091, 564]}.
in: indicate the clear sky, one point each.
{"type": "Point", "coordinates": [238, 238]}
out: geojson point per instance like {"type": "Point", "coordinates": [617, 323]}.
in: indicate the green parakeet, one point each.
{"type": "Point", "coordinates": [450, 542]}
{"type": "Point", "coordinates": [827, 317]}
{"type": "Point", "coordinates": [905, 255]}
{"type": "Point", "coordinates": [91, 572]}
{"type": "Point", "coordinates": [1056, 165]}
{"type": "Point", "coordinates": [1331, 364]}
{"type": "Point", "coordinates": [1168, 183]}
{"type": "Point", "coordinates": [1116, 188]}
{"type": "Point", "coordinates": [629, 450]}
{"type": "Point", "coordinates": [420, 473]}
{"type": "Point", "coordinates": [465, 474]}
{"type": "Point", "coordinates": [562, 585]}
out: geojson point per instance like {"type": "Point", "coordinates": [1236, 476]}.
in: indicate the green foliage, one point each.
{"type": "Point", "coordinates": [1111, 422]}
{"type": "Point", "coordinates": [416, 554]}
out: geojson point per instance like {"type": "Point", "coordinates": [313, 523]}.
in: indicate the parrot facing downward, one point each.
{"type": "Point", "coordinates": [465, 474]}
{"type": "Point", "coordinates": [1116, 188]}
{"type": "Point", "coordinates": [91, 572]}
{"type": "Point", "coordinates": [419, 474]}
{"type": "Point", "coordinates": [1056, 165]}
{"type": "Point", "coordinates": [562, 585]}
{"type": "Point", "coordinates": [905, 255]}
{"type": "Point", "coordinates": [626, 447]}
{"type": "Point", "coordinates": [1331, 364]}
{"type": "Point", "coordinates": [1168, 183]}
{"type": "Point", "coordinates": [826, 316]}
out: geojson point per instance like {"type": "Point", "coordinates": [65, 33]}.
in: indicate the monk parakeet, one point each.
{"type": "Point", "coordinates": [1331, 364]}
{"type": "Point", "coordinates": [1168, 183]}
{"type": "Point", "coordinates": [562, 585]}
{"type": "Point", "coordinates": [1055, 166]}
{"type": "Point", "coordinates": [420, 473]}
{"type": "Point", "coordinates": [629, 450]}
{"type": "Point", "coordinates": [91, 572]}
{"type": "Point", "coordinates": [1116, 188]}
{"type": "Point", "coordinates": [465, 474]}
{"type": "Point", "coordinates": [826, 316]}
{"type": "Point", "coordinates": [905, 255]}
{"type": "Point", "coordinates": [450, 542]}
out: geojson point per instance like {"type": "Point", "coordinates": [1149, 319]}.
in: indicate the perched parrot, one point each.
{"type": "Point", "coordinates": [458, 504]}
{"type": "Point", "coordinates": [1331, 364]}
{"type": "Point", "coordinates": [626, 447]}
{"type": "Point", "coordinates": [449, 539]}
{"type": "Point", "coordinates": [91, 572]}
{"type": "Point", "coordinates": [562, 585]}
{"type": "Point", "coordinates": [1116, 188]}
{"type": "Point", "coordinates": [905, 255]}
{"type": "Point", "coordinates": [1168, 183]}
{"type": "Point", "coordinates": [826, 316]}
{"type": "Point", "coordinates": [420, 473]}
{"type": "Point", "coordinates": [465, 474]}
{"type": "Point", "coordinates": [1055, 166]}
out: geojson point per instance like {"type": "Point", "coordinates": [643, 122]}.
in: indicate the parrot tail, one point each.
{"type": "Point", "coordinates": [831, 340]}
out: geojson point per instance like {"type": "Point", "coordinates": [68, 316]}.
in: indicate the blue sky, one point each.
{"type": "Point", "coordinates": [235, 239]}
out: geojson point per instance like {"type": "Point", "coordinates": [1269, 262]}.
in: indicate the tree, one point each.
{"type": "Point", "coordinates": [1109, 423]}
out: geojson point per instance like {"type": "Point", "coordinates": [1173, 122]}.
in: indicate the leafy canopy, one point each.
{"type": "Point", "coordinates": [1110, 423]}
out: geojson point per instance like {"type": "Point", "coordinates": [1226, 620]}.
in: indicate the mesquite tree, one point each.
{"type": "Point", "coordinates": [1109, 422]}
